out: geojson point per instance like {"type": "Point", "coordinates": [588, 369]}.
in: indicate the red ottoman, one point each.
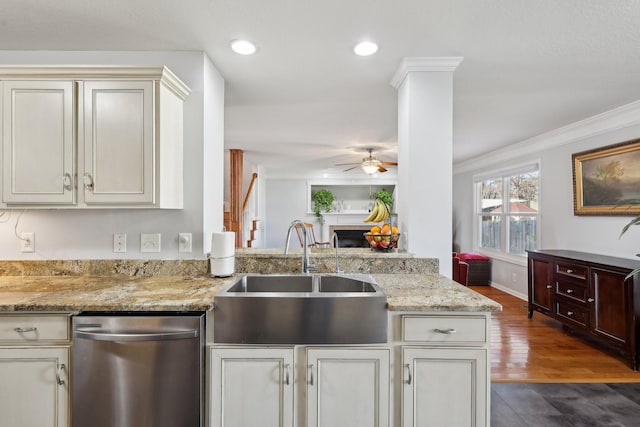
{"type": "Point", "coordinates": [479, 268]}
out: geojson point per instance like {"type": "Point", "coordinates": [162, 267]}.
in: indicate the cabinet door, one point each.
{"type": "Point", "coordinates": [347, 387]}
{"type": "Point", "coordinates": [540, 285]}
{"type": "Point", "coordinates": [38, 142]}
{"type": "Point", "coordinates": [445, 387]}
{"type": "Point", "coordinates": [251, 387]}
{"type": "Point", "coordinates": [611, 306]}
{"type": "Point", "coordinates": [31, 393]}
{"type": "Point", "coordinates": [118, 142]}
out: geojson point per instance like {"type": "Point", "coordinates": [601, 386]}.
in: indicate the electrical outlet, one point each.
{"type": "Point", "coordinates": [184, 242]}
{"type": "Point", "coordinates": [120, 242]}
{"type": "Point", "coordinates": [150, 242]}
{"type": "Point", "coordinates": [28, 242]}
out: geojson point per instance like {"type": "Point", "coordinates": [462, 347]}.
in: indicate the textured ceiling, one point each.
{"type": "Point", "coordinates": [304, 102]}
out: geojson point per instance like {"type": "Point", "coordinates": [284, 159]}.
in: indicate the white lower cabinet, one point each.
{"type": "Point", "coordinates": [34, 386]}
{"type": "Point", "coordinates": [444, 387]}
{"type": "Point", "coordinates": [257, 386]}
{"type": "Point", "coordinates": [251, 386]}
{"type": "Point", "coordinates": [348, 387]}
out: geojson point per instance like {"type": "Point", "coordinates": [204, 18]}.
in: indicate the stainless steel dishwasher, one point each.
{"type": "Point", "coordinates": [137, 370]}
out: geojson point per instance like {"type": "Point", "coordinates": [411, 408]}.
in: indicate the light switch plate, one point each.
{"type": "Point", "coordinates": [150, 242]}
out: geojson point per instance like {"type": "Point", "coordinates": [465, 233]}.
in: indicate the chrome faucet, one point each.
{"type": "Point", "coordinates": [306, 267]}
{"type": "Point", "coordinates": [336, 244]}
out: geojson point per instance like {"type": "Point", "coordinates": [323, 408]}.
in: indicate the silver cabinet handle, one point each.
{"type": "Point", "coordinates": [569, 271]}
{"type": "Point", "coordinates": [60, 369]}
{"type": "Point", "coordinates": [88, 181]}
{"type": "Point", "coordinates": [569, 291]}
{"type": "Point", "coordinates": [406, 365]}
{"type": "Point", "coordinates": [549, 286]}
{"type": "Point", "coordinates": [311, 377]}
{"type": "Point", "coordinates": [569, 313]}
{"type": "Point", "coordinates": [590, 300]}
{"type": "Point", "coordinates": [67, 182]}
{"type": "Point", "coordinates": [286, 374]}
{"type": "Point", "coordinates": [445, 331]}
{"type": "Point", "coordinates": [23, 330]}
{"type": "Point", "coordinates": [150, 336]}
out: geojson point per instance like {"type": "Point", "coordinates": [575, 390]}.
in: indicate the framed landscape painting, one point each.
{"type": "Point", "coordinates": [606, 181]}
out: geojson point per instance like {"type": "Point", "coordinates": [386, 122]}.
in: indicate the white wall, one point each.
{"type": "Point", "coordinates": [285, 201]}
{"type": "Point", "coordinates": [559, 228]}
{"type": "Point", "coordinates": [86, 234]}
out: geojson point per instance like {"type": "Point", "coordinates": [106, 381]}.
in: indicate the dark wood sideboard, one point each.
{"type": "Point", "coordinates": [588, 293]}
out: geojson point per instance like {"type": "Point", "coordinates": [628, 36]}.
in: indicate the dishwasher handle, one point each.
{"type": "Point", "coordinates": [137, 336]}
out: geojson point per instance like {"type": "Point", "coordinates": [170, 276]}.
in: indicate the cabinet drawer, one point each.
{"type": "Point", "coordinates": [572, 291]}
{"type": "Point", "coordinates": [444, 329]}
{"type": "Point", "coordinates": [575, 271]}
{"type": "Point", "coordinates": [34, 328]}
{"type": "Point", "coordinates": [571, 314]}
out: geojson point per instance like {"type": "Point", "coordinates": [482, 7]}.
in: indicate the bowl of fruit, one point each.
{"type": "Point", "coordinates": [382, 238]}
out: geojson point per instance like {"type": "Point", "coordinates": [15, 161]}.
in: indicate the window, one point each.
{"type": "Point", "coordinates": [507, 210]}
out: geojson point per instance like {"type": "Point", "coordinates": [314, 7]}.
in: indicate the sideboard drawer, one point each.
{"type": "Point", "coordinates": [578, 316]}
{"type": "Point", "coordinates": [30, 328]}
{"type": "Point", "coordinates": [445, 329]}
{"type": "Point", "coordinates": [575, 271]}
{"type": "Point", "coordinates": [572, 291]}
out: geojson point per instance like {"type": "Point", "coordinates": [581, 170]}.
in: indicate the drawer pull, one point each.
{"type": "Point", "coordinates": [311, 376]}
{"type": "Point", "coordinates": [569, 313]}
{"type": "Point", "coordinates": [569, 271]}
{"type": "Point", "coordinates": [569, 291]}
{"type": "Point", "coordinates": [23, 330]}
{"type": "Point", "coordinates": [406, 365]}
{"type": "Point", "coordinates": [590, 300]}
{"type": "Point", "coordinates": [549, 286]}
{"type": "Point", "coordinates": [60, 369]}
{"type": "Point", "coordinates": [444, 331]}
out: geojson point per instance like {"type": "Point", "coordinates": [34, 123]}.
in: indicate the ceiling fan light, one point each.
{"type": "Point", "coordinates": [370, 167]}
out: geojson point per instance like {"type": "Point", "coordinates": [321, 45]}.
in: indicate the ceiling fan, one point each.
{"type": "Point", "coordinates": [370, 164]}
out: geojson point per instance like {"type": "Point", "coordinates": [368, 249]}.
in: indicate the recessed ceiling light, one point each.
{"type": "Point", "coordinates": [243, 47]}
{"type": "Point", "coordinates": [365, 48]}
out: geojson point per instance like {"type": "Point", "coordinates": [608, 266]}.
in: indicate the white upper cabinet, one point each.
{"type": "Point", "coordinates": [38, 142]}
{"type": "Point", "coordinates": [92, 137]}
{"type": "Point", "coordinates": [118, 142]}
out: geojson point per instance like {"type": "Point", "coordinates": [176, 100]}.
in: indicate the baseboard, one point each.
{"type": "Point", "coordinates": [510, 291]}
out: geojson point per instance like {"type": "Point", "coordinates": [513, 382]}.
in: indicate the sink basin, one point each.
{"type": "Point", "coordinates": [301, 309]}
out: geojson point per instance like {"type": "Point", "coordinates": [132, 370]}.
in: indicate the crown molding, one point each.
{"type": "Point", "coordinates": [619, 118]}
{"type": "Point", "coordinates": [411, 64]}
{"type": "Point", "coordinates": [85, 72]}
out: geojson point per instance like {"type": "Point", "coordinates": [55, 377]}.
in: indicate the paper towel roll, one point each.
{"type": "Point", "coordinates": [222, 267]}
{"type": "Point", "coordinates": [223, 244]}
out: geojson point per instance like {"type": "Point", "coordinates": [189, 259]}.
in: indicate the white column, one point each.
{"type": "Point", "coordinates": [425, 169]}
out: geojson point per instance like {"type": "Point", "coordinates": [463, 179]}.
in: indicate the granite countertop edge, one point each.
{"type": "Point", "coordinates": [23, 294]}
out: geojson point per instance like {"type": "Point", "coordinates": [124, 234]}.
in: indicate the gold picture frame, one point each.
{"type": "Point", "coordinates": [606, 180]}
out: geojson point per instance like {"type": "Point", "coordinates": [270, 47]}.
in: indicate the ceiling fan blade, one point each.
{"type": "Point", "coordinates": [390, 163]}
{"type": "Point", "coordinates": [345, 164]}
{"type": "Point", "coordinates": [381, 169]}
{"type": "Point", "coordinates": [346, 170]}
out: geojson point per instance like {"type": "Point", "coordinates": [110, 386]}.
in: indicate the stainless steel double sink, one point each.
{"type": "Point", "coordinates": [301, 309]}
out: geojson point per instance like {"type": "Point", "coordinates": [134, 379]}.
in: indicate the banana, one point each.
{"type": "Point", "coordinates": [374, 213]}
{"type": "Point", "coordinates": [382, 211]}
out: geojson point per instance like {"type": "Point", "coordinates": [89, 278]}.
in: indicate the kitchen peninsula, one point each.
{"type": "Point", "coordinates": [436, 355]}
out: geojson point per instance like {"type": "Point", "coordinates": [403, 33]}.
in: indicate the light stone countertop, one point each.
{"type": "Point", "coordinates": [405, 292]}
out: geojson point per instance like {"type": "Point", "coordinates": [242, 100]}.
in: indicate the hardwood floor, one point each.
{"type": "Point", "coordinates": [539, 350]}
